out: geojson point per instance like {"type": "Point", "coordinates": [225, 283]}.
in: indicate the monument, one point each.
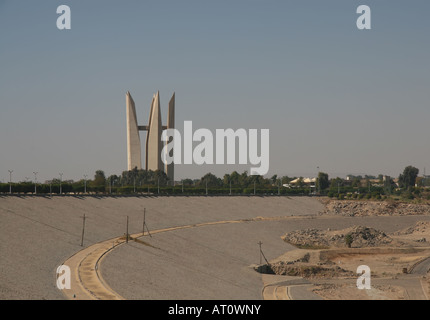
{"type": "Point", "coordinates": [154, 144]}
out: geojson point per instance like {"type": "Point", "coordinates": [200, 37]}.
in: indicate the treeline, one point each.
{"type": "Point", "coordinates": [407, 186]}
{"type": "Point", "coordinates": [156, 182]}
{"type": "Point", "coordinates": [77, 188]}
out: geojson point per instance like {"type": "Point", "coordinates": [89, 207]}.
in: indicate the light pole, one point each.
{"type": "Point", "coordinates": [318, 169]}
{"type": "Point", "coordinates": [10, 181]}
{"type": "Point", "coordinates": [35, 182]}
{"type": "Point", "coordinates": [61, 180]}
{"type": "Point", "coordinates": [85, 183]}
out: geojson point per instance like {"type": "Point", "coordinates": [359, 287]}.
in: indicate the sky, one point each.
{"type": "Point", "coordinates": [335, 98]}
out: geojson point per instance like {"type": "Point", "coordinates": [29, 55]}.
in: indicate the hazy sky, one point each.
{"type": "Point", "coordinates": [334, 97]}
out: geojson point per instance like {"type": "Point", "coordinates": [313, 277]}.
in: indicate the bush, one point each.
{"type": "Point", "coordinates": [348, 240]}
{"type": "Point", "coordinates": [408, 195]}
{"type": "Point", "coordinates": [377, 196]}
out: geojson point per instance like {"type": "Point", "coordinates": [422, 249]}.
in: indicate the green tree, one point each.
{"type": "Point", "coordinates": [409, 176]}
{"type": "Point", "coordinates": [211, 180]}
{"type": "Point", "coordinates": [243, 179]}
{"type": "Point", "coordinates": [234, 178]}
{"type": "Point", "coordinates": [274, 178]}
{"type": "Point", "coordinates": [348, 240]}
{"type": "Point", "coordinates": [160, 175]}
{"type": "Point", "coordinates": [356, 182]}
{"type": "Point", "coordinates": [322, 181]}
{"type": "Point", "coordinates": [99, 178]}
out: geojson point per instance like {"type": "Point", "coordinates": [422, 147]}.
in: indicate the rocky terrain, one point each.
{"type": "Point", "coordinates": [309, 271]}
{"type": "Point", "coordinates": [373, 208]}
{"type": "Point", "coordinates": [359, 237]}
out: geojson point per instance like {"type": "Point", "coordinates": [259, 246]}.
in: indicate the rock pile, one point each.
{"type": "Point", "coordinates": [282, 268]}
{"type": "Point", "coordinates": [368, 237]}
{"type": "Point", "coordinates": [359, 237]}
{"type": "Point", "coordinates": [374, 208]}
{"type": "Point", "coordinates": [308, 238]}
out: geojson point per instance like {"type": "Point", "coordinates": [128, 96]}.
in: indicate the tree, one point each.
{"type": "Point", "coordinates": [300, 182]}
{"type": "Point", "coordinates": [409, 176]}
{"type": "Point", "coordinates": [211, 180]}
{"type": "Point", "coordinates": [99, 178]}
{"type": "Point", "coordinates": [335, 184]}
{"type": "Point", "coordinates": [285, 179]}
{"type": "Point", "coordinates": [243, 178]}
{"type": "Point", "coordinates": [274, 178]}
{"type": "Point", "coordinates": [160, 176]}
{"type": "Point", "coordinates": [114, 180]}
{"type": "Point", "coordinates": [322, 181]}
{"type": "Point", "coordinates": [348, 240]}
{"type": "Point", "coordinates": [356, 182]}
{"type": "Point", "coordinates": [234, 178]}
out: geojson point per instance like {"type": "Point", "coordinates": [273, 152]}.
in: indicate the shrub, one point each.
{"type": "Point", "coordinates": [348, 240]}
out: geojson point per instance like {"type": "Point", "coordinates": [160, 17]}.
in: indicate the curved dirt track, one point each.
{"type": "Point", "coordinates": [88, 284]}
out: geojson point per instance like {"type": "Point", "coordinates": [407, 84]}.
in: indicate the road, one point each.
{"type": "Point", "coordinates": [421, 268]}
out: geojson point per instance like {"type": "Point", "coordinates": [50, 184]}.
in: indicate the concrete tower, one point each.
{"type": "Point", "coordinates": [133, 139]}
{"type": "Point", "coordinates": [154, 145]}
{"type": "Point", "coordinates": [171, 125]}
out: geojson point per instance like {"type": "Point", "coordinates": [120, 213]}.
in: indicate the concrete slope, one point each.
{"type": "Point", "coordinates": [37, 234]}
